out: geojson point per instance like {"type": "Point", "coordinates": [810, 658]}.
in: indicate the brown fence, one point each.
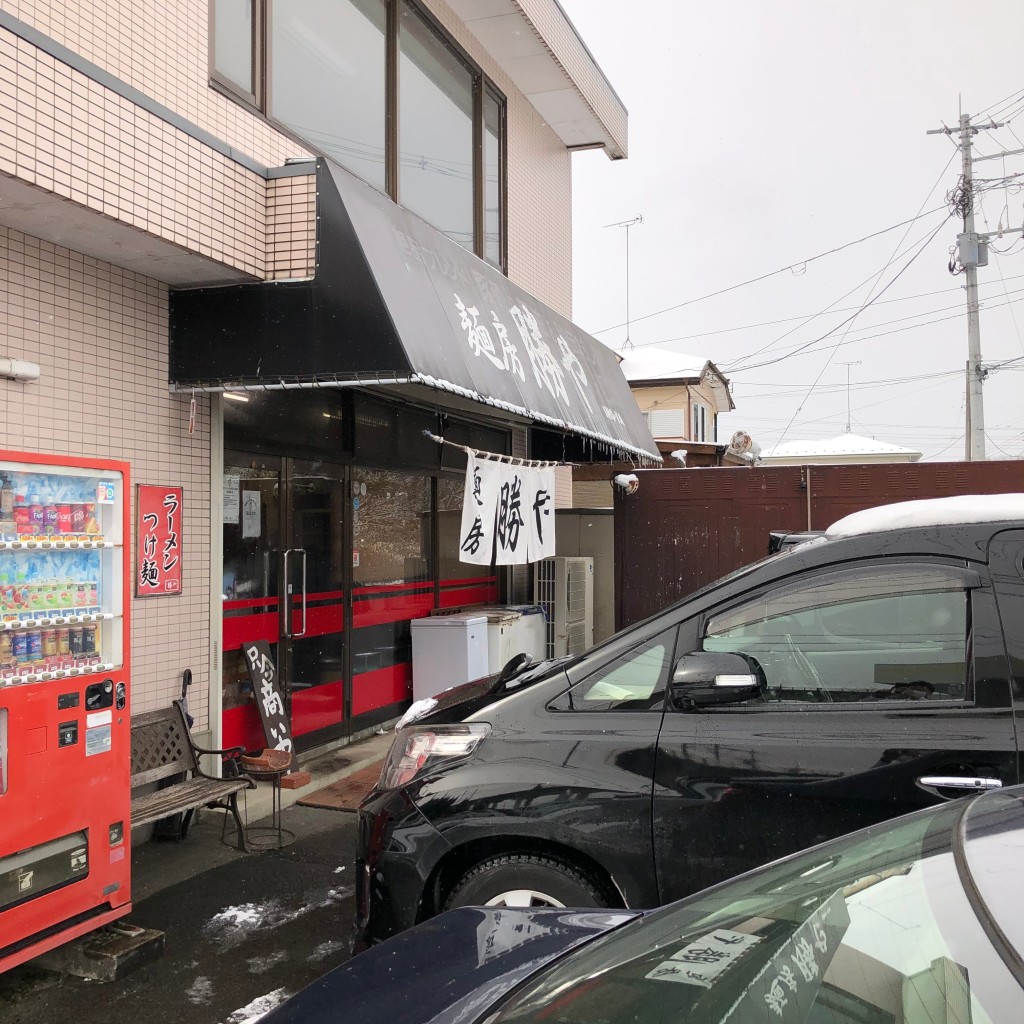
{"type": "Point", "coordinates": [684, 528]}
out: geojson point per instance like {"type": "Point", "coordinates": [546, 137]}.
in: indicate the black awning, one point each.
{"type": "Point", "coordinates": [395, 301]}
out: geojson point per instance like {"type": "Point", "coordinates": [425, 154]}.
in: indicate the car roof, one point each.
{"type": "Point", "coordinates": [960, 509]}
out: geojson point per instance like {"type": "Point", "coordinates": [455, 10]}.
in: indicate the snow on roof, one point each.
{"type": "Point", "coordinates": [660, 365]}
{"type": "Point", "coordinates": [905, 515]}
{"type": "Point", "coordinates": [844, 444]}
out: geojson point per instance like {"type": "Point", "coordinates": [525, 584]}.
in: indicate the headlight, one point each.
{"type": "Point", "coordinates": [417, 750]}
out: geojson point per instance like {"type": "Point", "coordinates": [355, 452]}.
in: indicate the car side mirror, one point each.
{"type": "Point", "coordinates": [709, 678]}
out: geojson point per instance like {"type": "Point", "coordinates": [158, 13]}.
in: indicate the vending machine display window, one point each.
{"type": "Point", "coordinates": [61, 572]}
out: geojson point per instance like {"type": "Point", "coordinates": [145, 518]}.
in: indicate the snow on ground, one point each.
{"type": "Point", "coordinates": [259, 964]}
{"type": "Point", "coordinates": [200, 992]}
{"type": "Point", "coordinates": [260, 1006]}
{"type": "Point", "coordinates": [326, 949]}
{"type": "Point", "coordinates": [233, 925]}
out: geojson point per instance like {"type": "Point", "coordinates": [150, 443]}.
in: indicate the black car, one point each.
{"type": "Point", "coordinates": [910, 921]}
{"type": "Point", "coordinates": [780, 540]}
{"type": "Point", "coordinates": [846, 681]}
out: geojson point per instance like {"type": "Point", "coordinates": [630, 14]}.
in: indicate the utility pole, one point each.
{"type": "Point", "coordinates": [627, 224]}
{"type": "Point", "coordinates": [972, 253]}
{"type": "Point", "coordinates": [855, 362]}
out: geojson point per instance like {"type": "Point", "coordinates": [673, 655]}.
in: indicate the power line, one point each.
{"type": "Point", "coordinates": [773, 273]}
{"type": "Point", "coordinates": [895, 255]}
{"type": "Point", "coordinates": [796, 350]}
{"type": "Point", "coordinates": [810, 316]}
{"type": "Point", "coordinates": [906, 266]}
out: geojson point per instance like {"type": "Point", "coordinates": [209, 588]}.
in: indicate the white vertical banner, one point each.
{"type": "Point", "coordinates": [510, 530]}
{"type": "Point", "coordinates": [541, 513]}
{"type": "Point", "coordinates": [479, 508]}
{"type": "Point", "coordinates": [507, 511]}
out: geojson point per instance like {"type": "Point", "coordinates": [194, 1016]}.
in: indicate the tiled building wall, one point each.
{"type": "Point", "coordinates": [161, 50]}
{"type": "Point", "coordinates": [99, 335]}
{"type": "Point", "coordinates": [291, 227]}
{"type": "Point", "coordinates": [70, 136]}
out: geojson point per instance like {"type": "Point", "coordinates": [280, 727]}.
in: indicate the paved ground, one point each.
{"type": "Point", "coordinates": [242, 931]}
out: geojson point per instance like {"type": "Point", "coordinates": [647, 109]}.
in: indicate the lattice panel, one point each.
{"type": "Point", "coordinates": [157, 744]}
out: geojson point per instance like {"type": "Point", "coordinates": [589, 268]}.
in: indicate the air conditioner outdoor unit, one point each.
{"type": "Point", "coordinates": [564, 588]}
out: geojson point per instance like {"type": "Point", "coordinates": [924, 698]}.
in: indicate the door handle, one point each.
{"type": "Point", "coordinates": [964, 782]}
{"type": "Point", "coordinates": [302, 551]}
{"type": "Point", "coordinates": [286, 626]}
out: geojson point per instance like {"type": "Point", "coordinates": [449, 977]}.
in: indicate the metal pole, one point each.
{"type": "Point", "coordinates": [975, 397]}
{"type": "Point", "coordinates": [855, 362]}
{"type": "Point", "coordinates": [627, 224]}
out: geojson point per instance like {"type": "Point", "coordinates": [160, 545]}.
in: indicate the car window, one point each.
{"type": "Point", "coordinates": [871, 929]}
{"type": "Point", "coordinates": [865, 634]}
{"type": "Point", "coordinates": [634, 682]}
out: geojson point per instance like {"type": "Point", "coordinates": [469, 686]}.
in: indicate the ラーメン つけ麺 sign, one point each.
{"type": "Point", "coordinates": [158, 540]}
{"type": "Point", "coordinates": [507, 513]}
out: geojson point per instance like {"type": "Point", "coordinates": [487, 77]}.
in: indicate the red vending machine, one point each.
{"type": "Point", "coordinates": [65, 731]}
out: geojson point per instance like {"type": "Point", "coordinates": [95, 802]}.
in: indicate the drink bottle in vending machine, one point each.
{"type": "Point", "coordinates": [65, 730]}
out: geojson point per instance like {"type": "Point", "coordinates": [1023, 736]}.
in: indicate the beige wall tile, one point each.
{"type": "Point", "coordinates": [99, 335]}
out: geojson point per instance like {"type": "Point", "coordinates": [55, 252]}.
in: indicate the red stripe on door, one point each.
{"type": "Point", "coordinates": [378, 689]}
{"type": "Point", "coordinates": [239, 629]}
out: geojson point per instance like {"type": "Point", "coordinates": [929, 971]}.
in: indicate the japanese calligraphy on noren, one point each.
{"type": "Point", "coordinates": [269, 699]}
{"type": "Point", "coordinates": [507, 513]}
{"type": "Point", "coordinates": [158, 548]}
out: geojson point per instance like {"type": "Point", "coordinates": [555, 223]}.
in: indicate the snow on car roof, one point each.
{"type": "Point", "coordinates": [905, 515]}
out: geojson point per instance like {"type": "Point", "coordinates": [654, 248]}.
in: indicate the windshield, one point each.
{"type": "Point", "coordinates": [867, 930]}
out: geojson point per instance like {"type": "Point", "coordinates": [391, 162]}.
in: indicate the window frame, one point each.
{"type": "Point", "coordinates": [697, 406]}
{"type": "Point", "coordinates": [254, 100]}
{"type": "Point", "coordinates": [971, 581]}
{"type": "Point", "coordinates": [259, 103]}
{"type": "Point", "coordinates": [564, 703]}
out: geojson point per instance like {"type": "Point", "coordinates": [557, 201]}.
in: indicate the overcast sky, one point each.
{"type": "Point", "coordinates": [763, 134]}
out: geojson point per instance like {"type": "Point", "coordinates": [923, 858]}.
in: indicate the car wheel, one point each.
{"type": "Point", "coordinates": [524, 880]}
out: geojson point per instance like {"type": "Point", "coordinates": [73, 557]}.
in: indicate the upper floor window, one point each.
{"type": "Point", "coordinates": [376, 86]}
{"type": "Point", "coordinates": [235, 31]}
{"type": "Point", "coordinates": [700, 421]}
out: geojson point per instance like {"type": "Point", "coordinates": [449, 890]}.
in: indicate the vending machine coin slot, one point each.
{"type": "Point", "coordinates": [122, 696]}
{"type": "Point", "coordinates": [67, 734]}
{"type": "Point", "coordinates": [99, 695]}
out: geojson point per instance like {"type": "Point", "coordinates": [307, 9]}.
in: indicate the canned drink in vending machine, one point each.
{"type": "Point", "coordinates": [65, 522]}
{"type": "Point", "coordinates": [92, 524]}
{"type": "Point", "coordinates": [63, 642]}
{"type": "Point", "coordinates": [89, 639]}
{"type": "Point", "coordinates": [50, 527]}
{"type": "Point", "coordinates": [49, 643]}
{"type": "Point", "coordinates": [19, 646]}
{"type": "Point", "coordinates": [78, 518]}
{"type": "Point", "coordinates": [34, 639]}
{"type": "Point", "coordinates": [75, 641]}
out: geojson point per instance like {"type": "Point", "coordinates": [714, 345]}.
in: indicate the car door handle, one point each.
{"type": "Point", "coordinates": [965, 782]}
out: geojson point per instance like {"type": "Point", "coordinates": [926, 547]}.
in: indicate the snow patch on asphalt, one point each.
{"type": "Point", "coordinates": [261, 1005]}
{"type": "Point", "coordinates": [234, 925]}
{"type": "Point", "coordinates": [259, 964]}
{"type": "Point", "coordinates": [326, 949]}
{"type": "Point", "coordinates": [200, 992]}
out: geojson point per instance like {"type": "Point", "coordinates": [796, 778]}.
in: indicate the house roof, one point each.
{"type": "Point", "coordinates": [843, 445]}
{"type": "Point", "coordinates": [649, 366]}
{"type": "Point", "coordinates": [662, 365]}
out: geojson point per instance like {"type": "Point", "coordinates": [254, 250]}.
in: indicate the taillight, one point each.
{"type": "Point", "coordinates": [417, 750]}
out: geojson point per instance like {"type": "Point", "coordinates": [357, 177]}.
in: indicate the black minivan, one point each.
{"type": "Point", "coordinates": [850, 679]}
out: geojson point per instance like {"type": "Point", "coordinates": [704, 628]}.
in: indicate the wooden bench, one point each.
{"type": "Point", "coordinates": [163, 751]}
